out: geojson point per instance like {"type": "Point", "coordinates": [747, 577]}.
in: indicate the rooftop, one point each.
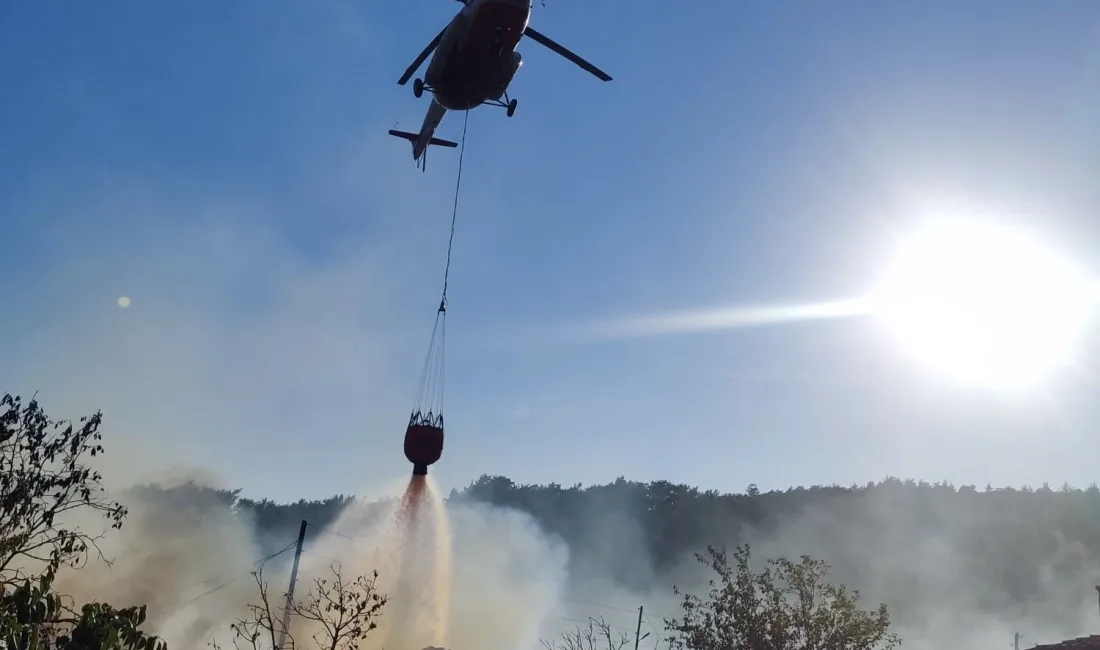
{"type": "Point", "coordinates": [1091, 642]}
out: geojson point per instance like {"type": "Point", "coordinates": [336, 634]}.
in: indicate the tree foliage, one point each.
{"type": "Point", "coordinates": [262, 627]}
{"type": "Point", "coordinates": [44, 476]}
{"type": "Point", "coordinates": [785, 606]}
{"type": "Point", "coordinates": [36, 618]}
{"type": "Point", "coordinates": [342, 611]}
{"type": "Point", "coordinates": [1008, 543]}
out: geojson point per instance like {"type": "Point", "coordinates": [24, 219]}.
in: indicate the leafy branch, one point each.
{"type": "Point", "coordinates": [343, 611]}
{"type": "Point", "coordinates": [785, 606]}
{"type": "Point", "coordinates": [44, 476]}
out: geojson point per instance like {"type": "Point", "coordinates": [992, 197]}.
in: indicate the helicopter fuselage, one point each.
{"type": "Point", "coordinates": [477, 58]}
{"type": "Point", "coordinates": [473, 61]}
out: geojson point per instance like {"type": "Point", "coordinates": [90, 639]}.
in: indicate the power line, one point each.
{"type": "Point", "coordinates": [332, 531]}
{"type": "Point", "coordinates": [611, 607]}
{"type": "Point", "coordinates": [323, 557]}
{"type": "Point", "coordinates": [241, 575]}
{"type": "Point", "coordinates": [656, 635]}
{"type": "Point", "coordinates": [571, 620]}
{"type": "Point", "coordinates": [339, 534]}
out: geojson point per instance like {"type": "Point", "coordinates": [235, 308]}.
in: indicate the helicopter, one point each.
{"type": "Point", "coordinates": [474, 62]}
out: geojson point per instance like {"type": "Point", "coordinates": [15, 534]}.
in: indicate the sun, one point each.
{"type": "Point", "coordinates": [985, 303]}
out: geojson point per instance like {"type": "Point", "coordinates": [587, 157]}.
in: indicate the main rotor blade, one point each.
{"type": "Point", "coordinates": [546, 42]}
{"type": "Point", "coordinates": [411, 70]}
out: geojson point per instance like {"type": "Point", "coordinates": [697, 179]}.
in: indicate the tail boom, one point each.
{"type": "Point", "coordinates": [413, 137]}
{"type": "Point", "coordinates": [421, 141]}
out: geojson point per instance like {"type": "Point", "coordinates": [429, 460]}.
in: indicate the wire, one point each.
{"type": "Point", "coordinates": [657, 635]}
{"type": "Point", "coordinates": [344, 536]}
{"type": "Point", "coordinates": [571, 620]}
{"type": "Point", "coordinates": [323, 557]}
{"type": "Point", "coordinates": [241, 575]}
{"type": "Point", "coordinates": [454, 212]}
{"type": "Point", "coordinates": [329, 530]}
{"type": "Point", "coordinates": [429, 394]}
{"type": "Point", "coordinates": [591, 604]}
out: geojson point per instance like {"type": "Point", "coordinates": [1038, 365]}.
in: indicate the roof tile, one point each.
{"type": "Point", "coordinates": [1091, 642]}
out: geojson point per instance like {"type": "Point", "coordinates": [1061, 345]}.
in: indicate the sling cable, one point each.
{"type": "Point", "coordinates": [424, 434]}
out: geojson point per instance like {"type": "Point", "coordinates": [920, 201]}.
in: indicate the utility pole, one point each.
{"type": "Point", "coordinates": [638, 631]}
{"type": "Point", "coordinates": [290, 591]}
{"type": "Point", "coordinates": [1016, 642]}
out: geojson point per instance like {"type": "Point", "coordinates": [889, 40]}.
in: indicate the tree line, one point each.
{"type": "Point", "coordinates": [766, 603]}
{"type": "Point", "coordinates": [1012, 553]}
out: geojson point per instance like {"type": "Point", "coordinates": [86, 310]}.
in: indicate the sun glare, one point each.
{"type": "Point", "coordinates": [985, 303]}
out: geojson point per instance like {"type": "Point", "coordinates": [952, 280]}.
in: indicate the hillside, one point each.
{"type": "Point", "coordinates": [943, 558]}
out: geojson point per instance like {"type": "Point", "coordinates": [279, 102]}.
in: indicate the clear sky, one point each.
{"type": "Point", "coordinates": [225, 165]}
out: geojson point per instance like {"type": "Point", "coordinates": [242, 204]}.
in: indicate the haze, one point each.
{"type": "Point", "coordinates": [211, 237]}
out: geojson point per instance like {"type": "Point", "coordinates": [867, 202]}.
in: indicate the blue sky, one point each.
{"type": "Point", "coordinates": [226, 166]}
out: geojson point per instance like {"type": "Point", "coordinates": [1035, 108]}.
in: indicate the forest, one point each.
{"type": "Point", "coordinates": [939, 565]}
{"type": "Point", "coordinates": [1022, 559]}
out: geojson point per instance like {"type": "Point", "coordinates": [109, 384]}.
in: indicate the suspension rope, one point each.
{"type": "Point", "coordinates": [429, 395]}
{"type": "Point", "coordinates": [454, 212]}
{"type": "Point", "coordinates": [429, 401]}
